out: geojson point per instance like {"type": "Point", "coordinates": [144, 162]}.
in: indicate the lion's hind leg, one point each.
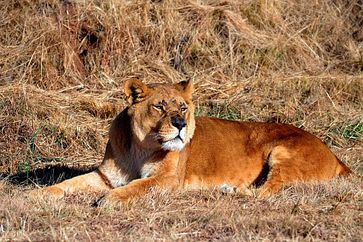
{"type": "Point", "coordinates": [281, 167]}
{"type": "Point", "coordinates": [272, 185]}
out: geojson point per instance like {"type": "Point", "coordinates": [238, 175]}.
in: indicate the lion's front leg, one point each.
{"type": "Point", "coordinates": [168, 175]}
{"type": "Point", "coordinates": [137, 188]}
{"type": "Point", "coordinates": [92, 181]}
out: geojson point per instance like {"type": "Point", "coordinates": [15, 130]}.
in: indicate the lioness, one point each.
{"type": "Point", "coordinates": [157, 141]}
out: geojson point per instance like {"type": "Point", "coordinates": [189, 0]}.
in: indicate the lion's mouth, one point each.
{"type": "Point", "coordinates": [175, 143]}
{"type": "Point", "coordinates": [178, 137]}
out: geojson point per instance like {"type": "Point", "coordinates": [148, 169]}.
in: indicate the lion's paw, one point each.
{"type": "Point", "coordinates": [112, 199]}
{"type": "Point", "coordinates": [47, 192]}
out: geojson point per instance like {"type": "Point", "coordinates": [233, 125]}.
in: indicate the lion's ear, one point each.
{"type": "Point", "coordinates": [135, 91]}
{"type": "Point", "coordinates": [185, 87]}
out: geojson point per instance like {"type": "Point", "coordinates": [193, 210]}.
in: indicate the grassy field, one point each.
{"type": "Point", "coordinates": [329, 211]}
{"type": "Point", "coordinates": [62, 69]}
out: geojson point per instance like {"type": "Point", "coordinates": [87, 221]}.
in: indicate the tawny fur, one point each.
{"type": "Point", "coordinates": [146, 149]}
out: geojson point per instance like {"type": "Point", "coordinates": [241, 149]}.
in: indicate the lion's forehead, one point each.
{"type": "Point", "coordinates": [167, 98]}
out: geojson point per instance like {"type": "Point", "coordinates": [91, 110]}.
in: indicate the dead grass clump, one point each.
{"type": "Point", "coordinates": [55, 44]}
{"type": "Point", "coordinates": [99, 109]}
{"type": "Point", "coordinates": [42, 127]}
{"type": "Point", "coordinates": [324, 211]}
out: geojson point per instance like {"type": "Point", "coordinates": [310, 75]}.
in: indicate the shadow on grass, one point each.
{"type": "Point", "coordinates": [47, 175]}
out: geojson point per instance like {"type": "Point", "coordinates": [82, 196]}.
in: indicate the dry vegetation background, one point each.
{"type": "Point", "coordinates": [62, 68]}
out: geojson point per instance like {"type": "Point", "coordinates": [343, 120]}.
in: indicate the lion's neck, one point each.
{"type": "Point", "coordinates": [138, 155]}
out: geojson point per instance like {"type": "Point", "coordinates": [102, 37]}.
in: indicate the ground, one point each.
{"type": "Point", "coordinates": [330, 211]}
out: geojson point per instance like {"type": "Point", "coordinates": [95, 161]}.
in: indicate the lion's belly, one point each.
{"type": "Point", "coordinates": [216, 171]}
{"type": "Point", "coordinates": [219, 157]}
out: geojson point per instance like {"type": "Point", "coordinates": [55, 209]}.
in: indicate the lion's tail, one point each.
{"type": "Point", "coordinates": [342, 169]}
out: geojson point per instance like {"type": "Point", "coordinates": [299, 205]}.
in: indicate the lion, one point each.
{"type": "Point", "coordinates": [156, 141]}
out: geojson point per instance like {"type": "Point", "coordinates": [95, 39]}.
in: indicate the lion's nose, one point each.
{"type": "Point", "coordinates": [178, 122]}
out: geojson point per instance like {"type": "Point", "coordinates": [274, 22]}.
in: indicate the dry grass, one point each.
{"type": "Point", "coordinates": [62, 68]}
{"type": "Point", "coordinates": [328, 211]}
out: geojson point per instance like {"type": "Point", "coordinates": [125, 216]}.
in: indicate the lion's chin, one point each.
{"type": "Point", "coordinates": [175, 144]}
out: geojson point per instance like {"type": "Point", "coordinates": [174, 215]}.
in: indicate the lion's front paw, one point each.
{"type": "Point", "coordinates": [112, 199]}
{"type": "Point", "coordinates": [47, 192]}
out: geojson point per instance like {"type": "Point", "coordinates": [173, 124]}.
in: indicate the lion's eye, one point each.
{"type": "Point", "coordinates": [183, 109]}
{"type": "Point", "coordinates": [158, 107]}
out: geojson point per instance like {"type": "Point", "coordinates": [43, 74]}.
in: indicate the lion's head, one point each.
{"type": "Point", "coordinates": [162, 115]}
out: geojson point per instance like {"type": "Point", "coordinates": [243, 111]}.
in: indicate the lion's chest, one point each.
{"type": "Point", "coordinates": [148, 169]}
